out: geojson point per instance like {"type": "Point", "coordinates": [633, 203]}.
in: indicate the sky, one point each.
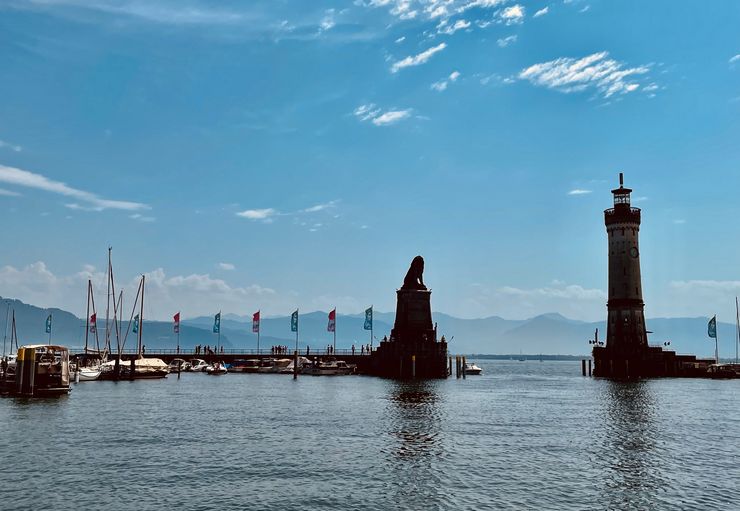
{"type": "Point", "coordinates": [285, 154]}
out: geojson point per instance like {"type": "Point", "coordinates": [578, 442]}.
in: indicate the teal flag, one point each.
{"type": "Point", "coordinates": [294, 321]}
{"type": "Point", "coordinates": [369, 318]}
{"type": "Point", "coordinates": [712, 328]}
{"type": "Point", "coordinates": [136, 324]}
{"type": "Point", "coordinates": [48, 324]}
{"type": "Point", "coordinates": [217, 323]}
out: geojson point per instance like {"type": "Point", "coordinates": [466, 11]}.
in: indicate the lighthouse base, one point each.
{"type": "Point", "coordinates": [650, 362]}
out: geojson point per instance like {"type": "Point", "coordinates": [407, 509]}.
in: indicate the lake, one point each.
{"type": "Point", "coordinates": [524, 435]}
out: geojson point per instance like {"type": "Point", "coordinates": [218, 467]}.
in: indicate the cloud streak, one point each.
{"type": "Point", "coordinates": [417, 60]}
{"type": "Point", "coordinates": [596, 71]}
{"type": "Point", "coordinates": [93, 202]}
{"type": "Point", "coordinates": [370, 112]}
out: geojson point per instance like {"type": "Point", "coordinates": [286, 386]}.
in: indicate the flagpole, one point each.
{"type": "Point", "coordinates": [737, 327]}
{"type": "Point", "coordinates": [371, 330]}
{"type": "Point", "coordinates": [218, 343]}
{"type": "Point", "coordinates": [51, 321]}
{"type": "Point", "coordinates": [296, 329]}
{"type": "Point", "coordinates": [5, 336]}
{"type": "Point", "coordinates": [335, 331]}
{"type": "Point", "coordinates": [716, 341]}
{"type": "Point", "coordinates": [259, 327]}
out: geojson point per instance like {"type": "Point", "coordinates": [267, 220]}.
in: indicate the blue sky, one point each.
{"type": "Point", "coordinates": [289, 154]}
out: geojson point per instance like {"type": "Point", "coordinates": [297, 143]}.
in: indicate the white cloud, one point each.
{"type": "Point", "coordinates": [513, 14]}
{"type": "Point", "coordinates": [327, 22]}
{"type": "Point", "coordinates": [17, 148]}
{"type": "Point", "coordinates": [571, 300]}
{"type": "Point", "coordinates": [400, 39]}
{"type": "Point", "coordinates": [607, 76]}
{"type": "Point", "coordinates": [417, 60]}
{"type": "Point", "coordinates": [194, 294]}
{"type": "Point", "coordinates": [445, 28]}
{"type": "Point", "coordinates": [391, 117]}
{"type": "Point", "coordinates": [265, 214]}
{"type": "Point", "coordinates": [579, 191]}
{"type": "Point", "coordinates": [369, 112]}
{"type": "Point", "coordinates": [320, 207]}
{"type": "Point", "coordinates": [733, 60]}
{"type": "Point", "coordinates": [542, 12]}
{"type": "Point", "coordinates": [226, 266]}
{"type": "Point", "coordinates": [142, 218]}
{"type": "Point", "coordinates": [506, 41]}
{"type": "Point", "coordinates": [432, 9]}
{"type": "Point", "coordinates": [442, 84]}
{"type": "Point", "coordinates": [9, 193]}
{"type": "Point", "coordinates": [93, 202]}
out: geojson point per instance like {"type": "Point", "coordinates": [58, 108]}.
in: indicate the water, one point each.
{"type": "Point", "coordinates": [525, 435]}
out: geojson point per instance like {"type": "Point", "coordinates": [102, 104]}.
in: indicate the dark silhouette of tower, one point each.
{"type": "Point", "coordinates": [626, 330]}
{"type": "Point", "coordinates": [627, 353]}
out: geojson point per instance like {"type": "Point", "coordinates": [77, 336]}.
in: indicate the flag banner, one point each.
{"type": "Point", "coordinates": [332, 326]}
{"type": "Point", "coordinates": [369, 319]}
{"type": "Point", "coordinates": [256, 322]}
{"type": "Point", "coordinates": [94, 323]}
{"type": "Point", "coordinates": [712, 328]}
{"type": "Point", "coordinates": [217, 323]}
{"type": "Point", "coordinates": [176, 325]}
{"type": "Point", "coordinates": [48, 324]}
{"type": "Point", "coordinates": [136, 324]}
{"type": "Point", "coordinates": [294, 321]}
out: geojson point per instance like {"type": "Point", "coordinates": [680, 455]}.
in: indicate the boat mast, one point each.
{"type": "Point", "coordinates": [107, 307]}
{"type": "Point", "coordinates": [5, 337]}
{"type": "Point", "coordinates": [141, 314]}
{"type": "Point", "coordinates": [737, 327]}
{"type": "Point", "coordinates": [87, 316]}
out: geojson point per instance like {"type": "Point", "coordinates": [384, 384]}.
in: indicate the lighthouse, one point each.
{"type": "Point", "coordinates": [625, 332]}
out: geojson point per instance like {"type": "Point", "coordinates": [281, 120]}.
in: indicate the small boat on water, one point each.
{"type": "Point", "coordinates": [217, 369]}
{"type": "Point", "coordinates": [245, 366]}
{"type": "Point", "coordinates": [273, 365]}
{"type": "Point", "coordinates": [39, 370]}
{"type": "Point", "coordinates": [198, 365]}
{"type": "Point", "coordinates": [179, 365]}
{"type": "Point", "coordinates": [328, 368]}
{"type": "Point", "coordinates": [471, 369]}
{"type": "Point", "coordinates": [724, 371]}
{"type": "Point", "coordinates": [87, 373]}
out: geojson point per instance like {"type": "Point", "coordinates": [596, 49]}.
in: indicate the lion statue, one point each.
{"type": "Point", "coordinates": [414, 278]}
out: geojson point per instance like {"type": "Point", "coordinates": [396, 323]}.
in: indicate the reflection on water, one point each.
{"type": "Point", "coordinates": [633, 477]}
{"type": "Point", "coordinates": [415, 429]}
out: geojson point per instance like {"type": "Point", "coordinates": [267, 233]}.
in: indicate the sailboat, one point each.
{"type": "Point", "coordinates": [142, 367]}
{"type": "Point", "coordinates": [88, 366]}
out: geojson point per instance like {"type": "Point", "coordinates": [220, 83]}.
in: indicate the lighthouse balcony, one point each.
{"type": "Point", "coordinates": [620, 214]}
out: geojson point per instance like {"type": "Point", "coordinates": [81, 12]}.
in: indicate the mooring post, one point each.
{"type": "Point", "coordinates": [132, 371]}
{"type": "Point", "coordinates": [117, 369]}
{"type": "Point", "coordinates": [457, 366]}
{"type": "Point", "coordinates": [449, 371]}
{"type": "Point", "coordinates": [463, 368]}
{"type": "Point", "coordinates": [583, 367]}
{"type": "Point", "coordinates": [589, 367]}
{"type": "Point", "coordinates": [295, 365]}
{"type": "Point", "coordinates": [413, 366]}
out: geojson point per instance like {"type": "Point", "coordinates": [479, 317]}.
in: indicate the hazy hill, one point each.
{"type": "Point", "coordinates": [545, 334]}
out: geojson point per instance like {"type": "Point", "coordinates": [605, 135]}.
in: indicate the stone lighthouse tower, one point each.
{"type": "Point", "coordinates": [626, 333]}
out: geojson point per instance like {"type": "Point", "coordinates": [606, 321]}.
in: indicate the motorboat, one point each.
{"type": "Point", "coordinates": [245, 366]}
{"type": "Point", "coordinates": [724, 371]}
{"type": "Point", "coordinates": [328, 368]}
{"type": "Point", "coordinates": [217, 368]}
{"type": "Point", "coordinates": [87, 373]}
{"type": "Point", "coordinates": [38, 370]}
{"type": "Point", "coordinates": [273, 365]}
{"type": "Point", "coordinates": [179, 365]}
{"type": "Point", "coordinates": [302, 362]}
{"type": "Point", "coordinates": [199, 365]}
{"type": "Point", "coordinates": [472, 369]}
{"type": "Point", "coordinates": [144, 369]}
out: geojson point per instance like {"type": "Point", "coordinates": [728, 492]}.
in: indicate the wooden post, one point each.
{"type": "Point", "coordinates": [463, 368]}
{"type": "Point", "coordinates": [132, 370]}
{"type": "Point", "coordinates": [117, 369]}
{"type": "Point", "coordinates": [583, 367]}
{"type": "Point", "coordinates": [413, 366]}
{"type": "Point", "coordinates": [449, 372]}
{"type": "Point", "coordinates": [295, 365]}
{"type": "Point", "coordinates": [589, 367]}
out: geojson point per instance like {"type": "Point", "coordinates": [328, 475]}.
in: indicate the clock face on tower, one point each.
{"type": "Point", "coordinates": [634, 252]}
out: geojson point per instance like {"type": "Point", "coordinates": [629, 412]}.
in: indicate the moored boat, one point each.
{"type": "Point", "coordinates": [217, 368]}
{"type": "Point", "coordinates": [472, 369]}
{"type": "Point", "coordinates": [245, 366]}
{"type": "Point", "coordinates": [328, 368]}
{"type": "Point", "coordinates": [179, 365]}
{"type": "Point", "coordinates": [198, 365]}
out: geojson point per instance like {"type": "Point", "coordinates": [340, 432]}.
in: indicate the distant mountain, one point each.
{"type": "Point", "coordinates": [69, 330]}
{"type": "Point", "coordinates": [549, 334]}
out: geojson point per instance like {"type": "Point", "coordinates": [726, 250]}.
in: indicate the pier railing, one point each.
{"type": "Point", "coordinates": [245, 352]}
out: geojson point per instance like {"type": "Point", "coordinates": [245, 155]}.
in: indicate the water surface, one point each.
{"type": "Point", "coordinates": [523, 435]}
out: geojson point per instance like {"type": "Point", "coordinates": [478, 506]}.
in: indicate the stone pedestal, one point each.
{"type": "Point", "coordinates": [412, 350]}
